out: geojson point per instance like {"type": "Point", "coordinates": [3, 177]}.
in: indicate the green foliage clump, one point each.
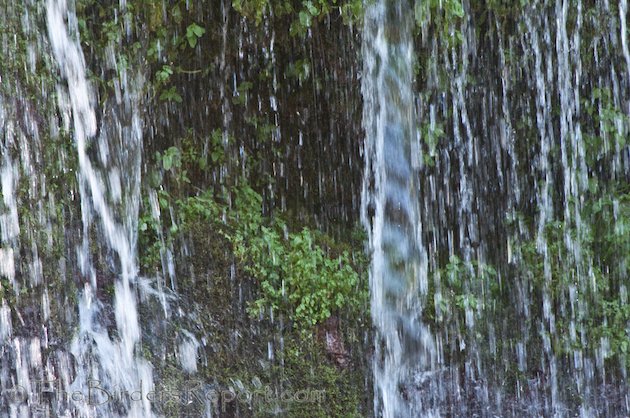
{"type": "Point", "coordinates": [301, 273]}
{"type": "Point", "coordinates": [431, 134]}
{"type": "Point", "coordinates": [443, 16]}
{"type": "Point", "coordinates": [303, 14]}
{"type": "Point", "coordinates": [603, 239]}
{"type": "Point", "coordinates": [147, 33]}
{"type": "Point", "coordinates": [298, 277]}
{"type": "Point", "coordinates": [609, 128]}
{"type": "Point", "coordinates": [460, 286]}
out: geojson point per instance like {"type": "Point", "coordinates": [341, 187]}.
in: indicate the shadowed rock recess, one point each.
{"type": "Point", "coordinates": [314, 208]}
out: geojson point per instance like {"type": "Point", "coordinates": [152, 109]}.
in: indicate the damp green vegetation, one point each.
{"type": "Point", "coordinates": [461, 284]}
{"type": "Point", "coordinates": [174, 42]}
{"type": "Point", "coordinates": [42, 192]}
{"type": "Point", "coordinates": [290, 284]}
{"type": "Point", "coordinates": [275, 295]}
{"type": "Point", "coordinates": [256, 278]}
{"type": "Point", "coordinates": [468, 296]}
{"type": "Point", "coordinates": [589, 316]}
{"type": "Point", "coordinates": [442, 15]}
{"type": "Point", "coordinates": [602, 243]}
{"type": "Point", "coordinates": [298, 289]}
{"type": "Point", "coordinates": [302, 14]}
{"type": "Point", "coordinates": [572, 271]}
{"type": "Point", "coordinates": [543, 262]}
{"type": "Point", "coordinates": [303, 276]}
{"type": "Point", "coordinates": [596, 245]}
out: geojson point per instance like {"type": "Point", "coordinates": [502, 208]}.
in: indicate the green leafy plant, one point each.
{"type": "Point", "coordinates": [298, 277]}
{"type": "Point", "coordinates": [460, 283]}
{"type": "Point", "coordinates": [193, 33]}
{"type": "Point", "coordinates": [443, 14]}
{"type": "Point", "coordinates": [171, 95]}
{"type": "Point", "coordinates": [431, 135]}
{"type": "Point", "coordinates": [304, 15]}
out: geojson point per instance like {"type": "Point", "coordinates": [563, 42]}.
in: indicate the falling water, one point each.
{"type": "Point", "coordinates": [495, 164]}
{"type": "Point", "coordinates": [101, 364]}
{"type": "Point", "coordinates": [511, 185]}
{"type": "Point", "coordinates": [398, 274]}
{"type": "Point", "coordinates": [109, 198]}
{"type": "Point", "coordinates": [113, 363]}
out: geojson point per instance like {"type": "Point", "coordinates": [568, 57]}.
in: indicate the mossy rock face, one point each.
{"type": "Point", "coordinates": [209, 301]}
{"type": "Point", "coordinates": [235, 369]}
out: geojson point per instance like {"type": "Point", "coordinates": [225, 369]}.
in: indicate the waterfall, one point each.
{"type": "Point", "coordinates": [152, 154]}
{"type": "Point", "coordinates": [390, 211]}
{"type": "Point", "coordinates": [93, 372]}
{"type": "Point", "coordinates": [109, 199]}
{"type": "Point", "coordinates": [522, 118]}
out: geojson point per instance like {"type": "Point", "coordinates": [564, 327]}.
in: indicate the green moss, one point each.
{"type": "Point", "coordinates": [303, 15]}
{"type": "Point", "coordinates": [215, 290]}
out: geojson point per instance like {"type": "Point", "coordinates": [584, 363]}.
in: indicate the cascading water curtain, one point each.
{"type": "Point", "coordinates": [109, 190]}
{"type": "Point", "coordinates": [398, 275]}
{"type": "Point", "coordinates": [520, 268]}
